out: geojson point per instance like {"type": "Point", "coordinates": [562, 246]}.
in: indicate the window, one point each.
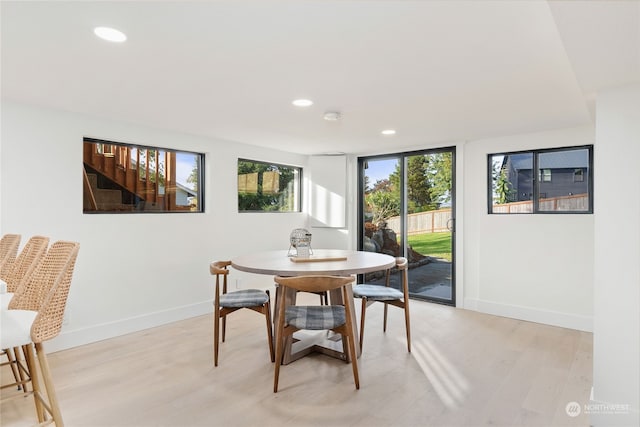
{"type": "Point", "coordinates": [268, 187]}
{"type": "Point", "coordinates": [124, 178]}
{"type": "Point", "coordinates": [545, 175]}
{"type": "Point", "coordinates": [542, 181]}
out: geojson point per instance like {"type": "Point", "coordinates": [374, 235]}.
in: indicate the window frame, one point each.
{"type": "Point", "coordinates": [536, 172]}
{"type": "Point", "coordinates": [109, 152]}
{"type": "Point", "coordinates": [298, 185]}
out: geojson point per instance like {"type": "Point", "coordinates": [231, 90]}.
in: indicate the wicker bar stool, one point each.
{"type": "Point", "coordinates": [8, 250]}
{"type": "Point", "coordinates": [21, 269]}
{"type": "Point", "coordinates": [35, 315]}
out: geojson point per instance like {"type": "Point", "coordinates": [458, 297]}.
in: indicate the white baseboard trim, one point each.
{"type": "Point", "coordinates": [77, 337]}
{"type": "Point", "coordinates": [604, 414]}
{"type": "Point", "coordinates": [547, 317]}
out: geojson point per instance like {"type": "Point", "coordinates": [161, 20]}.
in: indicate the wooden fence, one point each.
{"type": "Point", "coordinates": [436, 221]}
{"type": "Point", "coordinates": [423, 222]}
{"type": "Point", "coordinates": [579, 202]}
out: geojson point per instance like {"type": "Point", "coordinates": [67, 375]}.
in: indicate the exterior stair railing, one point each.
{"type": "Point", "coordinates": [149, 174]}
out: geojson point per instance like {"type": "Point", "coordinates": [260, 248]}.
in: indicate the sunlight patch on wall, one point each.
{"type": "Point", "coordinates": [327, 208]}
{"type": "Point", "coordinates": [327, 191]}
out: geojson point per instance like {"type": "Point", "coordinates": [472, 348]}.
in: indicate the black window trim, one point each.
{"type": "Point", "coordinates": [201, 175]}
{"type": "Point", "coordinates": [536, 190]}
{"type": "Point", "coordinates": [300, 203]}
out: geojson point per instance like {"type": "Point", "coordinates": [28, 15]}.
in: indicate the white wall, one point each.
{"type": "Point", "coordinates": [137, 271]}
{"type": "Point", "coordinates": [133, 271]}
{"type": "Point", "coordinates": [616, 355]}
{"type": "Point", "coordinates": [530, 267]}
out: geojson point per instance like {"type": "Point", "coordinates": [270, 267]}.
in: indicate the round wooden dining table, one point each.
{"type": "Point", "coordinates": [333, 262]}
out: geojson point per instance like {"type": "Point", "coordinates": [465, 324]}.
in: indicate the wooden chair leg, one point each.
{"type": "Point", "coordinates": [354, 360]}
{"type": "Point", "coordinates": [345, 347]}
{"type": "Point", "coordinates": [13, 364]}
{"type": "Point", "coordinates": [278, 361]}
{"type": "Point", "coordinates": [48, 383]}
{"type": "Point", "coordinates": [216, 335]}
{"type": "Point", "coordinates": [24, 370]}
{"type": "Point", "coordinates": [35, 381]}
{"type": "Point", "coordinates": [224, 327]}
{"type": "Point", "coordinates": [24, 375]}
{"type": "Point", "coordinates": [362, 315]}
{"type": "Point", "coordinates": [384, 324]}
{"type": "Point", "coordinates": [407, 324]}
{"type": "Point", "coordinates": [352, 356]}
{"type": "Point", "coordinates": [267, 315]}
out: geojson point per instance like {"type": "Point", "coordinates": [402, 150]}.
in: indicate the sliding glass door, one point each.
{"type": "Point", "coordinates": [406, 208]}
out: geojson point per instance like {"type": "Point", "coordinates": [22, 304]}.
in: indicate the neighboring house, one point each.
{"type": "Point", "coordinates": [185, 195]}
{"type": "Point", "coordinates": [561, 173]}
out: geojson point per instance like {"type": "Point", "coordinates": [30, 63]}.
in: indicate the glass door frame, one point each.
{"type": "Point", "coordinates": [402, 158]}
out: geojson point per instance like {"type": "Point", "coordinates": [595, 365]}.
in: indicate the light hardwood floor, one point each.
{"type": "Point", "coordinates": [465, 369]}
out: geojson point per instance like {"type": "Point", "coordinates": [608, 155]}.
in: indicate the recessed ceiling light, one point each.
{"type": "Point", "coordinates": [389, 132]}
{"type": "Point", "coordinates": [110, 34]}
{"type": "Point", "coordinates": [302, 103]}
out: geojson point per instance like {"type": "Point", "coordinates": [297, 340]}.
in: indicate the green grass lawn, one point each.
{"type": "Point", "coordinates": [437, 245]}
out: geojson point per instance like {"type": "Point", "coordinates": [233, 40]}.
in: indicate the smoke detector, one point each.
{"type": "Point", "coordinates": [332, 116]}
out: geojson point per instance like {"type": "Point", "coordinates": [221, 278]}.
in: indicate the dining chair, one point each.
{"type": "Point", "coordinates": [21, 269]}
{"type": "Point", "coordinates": [35, 316]}
{"type": "Point", "coordinates": [9, 244]}
{"type": "Point", "coordinates": [370, 293]}
{"type": "Point", "coordinates": [226, 302]}
{"type": "Point", "coordinates": [334, 317]}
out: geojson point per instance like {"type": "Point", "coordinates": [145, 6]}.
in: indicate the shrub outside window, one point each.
{"type": "Point", "coordinates": [125, 178]}
{"type": "Point", "coordinates": [268, 187]}
{"type": "Point", "coordinates": [558, 180]}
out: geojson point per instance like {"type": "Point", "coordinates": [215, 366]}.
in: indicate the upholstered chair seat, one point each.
{"type": "Point", "coordinates": [244, 298]}
{"type": "Point", "coordinates": [376, 292]}
{"type": "Point", "coordinates": [315, 317]}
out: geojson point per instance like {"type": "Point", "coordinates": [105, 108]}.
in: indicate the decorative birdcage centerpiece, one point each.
{"type": "Point", "coordinates": [300, 243]}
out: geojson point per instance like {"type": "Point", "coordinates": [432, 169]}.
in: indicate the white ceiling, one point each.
{"type": "Point", "coordinates": [437, 71]}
